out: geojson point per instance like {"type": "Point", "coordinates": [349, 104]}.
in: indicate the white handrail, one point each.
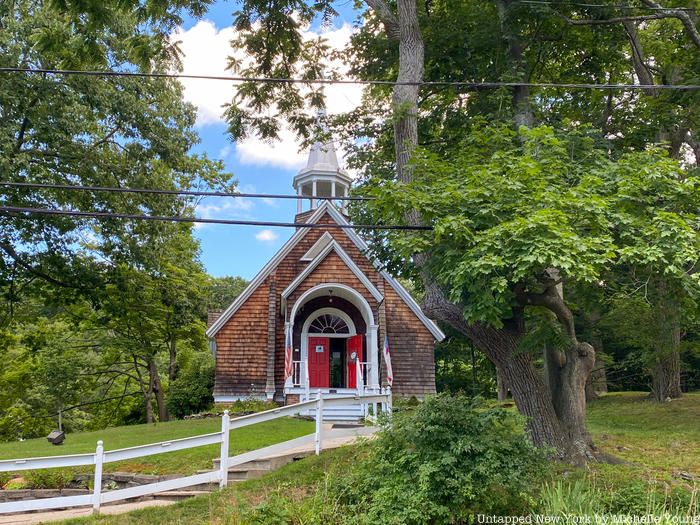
{"type": "Point", "coordinates": [100, 456]}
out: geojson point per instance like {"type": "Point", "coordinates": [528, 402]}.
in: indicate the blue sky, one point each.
{"type": "Point", "coordinates": [258, 167]}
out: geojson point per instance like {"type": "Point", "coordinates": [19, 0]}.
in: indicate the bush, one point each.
{"type": "Point", "coordinates": [192, 391]}
{"type": "Point", "coordinates": [56, 478]}
{"type": "Point", "coordinates": [445, 462]}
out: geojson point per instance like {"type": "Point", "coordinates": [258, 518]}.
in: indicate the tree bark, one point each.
{"type": "Point", "coordinates": [598, 380]}
{"type": "Point", "coordinates": [522, 109]}
{"type": "Point", "coordinates": [172, 365]}
{"type": "Point", "coordinates": [666, 371]}
{"type": "Point", "coordinates": [157, 389]}
{"type": "Point", "coordinates": [501, 386]}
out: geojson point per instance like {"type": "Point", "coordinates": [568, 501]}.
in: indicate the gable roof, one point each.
{"type": "Point", "coordinates": [333, 246]}
{"type": "Point", "coordinates": [338, 217]}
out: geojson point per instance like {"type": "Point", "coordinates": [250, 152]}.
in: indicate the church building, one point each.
{"type": "Point", "coordinates": [323, 301]}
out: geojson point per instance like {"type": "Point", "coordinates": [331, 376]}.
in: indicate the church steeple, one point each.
{"type": "Point", "coordinates": [322, 177]}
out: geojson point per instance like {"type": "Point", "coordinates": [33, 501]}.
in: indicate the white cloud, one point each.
{"type": "Point", "coordinates": [224, 152]}
{"type": "Point", "coordinates": [206, 50]}
{"type": "Point", "coordinates": [266, 236]}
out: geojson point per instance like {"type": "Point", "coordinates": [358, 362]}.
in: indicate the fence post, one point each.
{"type": "Point", "coordinates": [223, 461]}
{"type": "Point", "coordinates": [97, 480]}
{"type": "Point", "coordinates": [319, 422]}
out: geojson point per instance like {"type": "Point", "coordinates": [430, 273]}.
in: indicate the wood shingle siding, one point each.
{"type": "Point", "coordinates": [253, 338]}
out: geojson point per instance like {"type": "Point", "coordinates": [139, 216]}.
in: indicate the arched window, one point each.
{"type": "Point", "coordinates": [328, 324]}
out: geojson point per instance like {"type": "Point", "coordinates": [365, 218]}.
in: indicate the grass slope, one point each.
{"type": "Point", "coordinates": [183, 461]}
{"type": "Point", "coordinates": [231, 505]}
{"type": "Point", "coordinates": [658, 439]}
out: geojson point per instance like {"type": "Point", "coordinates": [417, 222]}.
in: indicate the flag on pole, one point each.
{"type": "Point", "coordinates": [387, 361]}
{"type": "Point", "coordinates": [288, 363]}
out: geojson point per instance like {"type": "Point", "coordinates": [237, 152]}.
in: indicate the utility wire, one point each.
{"type": "Point", "coordinates": [266, 80]}
{"type": "Point", "coordinates": [71, 187]}
{"type": "Point", "coordinates": [161, 218]}
{"type": "Point", "coordinates": [611, 6]}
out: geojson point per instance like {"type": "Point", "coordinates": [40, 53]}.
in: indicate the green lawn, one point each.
{"type": "Point", "coordinates": [659, 439]}
{"type": "Point", "coordinates": [183, 461]}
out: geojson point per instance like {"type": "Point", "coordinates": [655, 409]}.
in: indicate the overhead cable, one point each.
{"type": "Point", "coordinates": [192, 193]}
{"type": "Point", "coordinates": [266, 80]}
{"type": "Point", "coordinates": [161, 218]}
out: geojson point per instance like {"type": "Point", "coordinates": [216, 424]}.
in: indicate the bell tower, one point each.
{"type": "Point", "coordinates": [322, 177]}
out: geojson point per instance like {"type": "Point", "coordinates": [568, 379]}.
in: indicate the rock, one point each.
{"type": "Point", "coordinates": [15, 483]}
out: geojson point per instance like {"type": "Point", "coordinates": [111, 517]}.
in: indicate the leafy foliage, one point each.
{"type": "Point", "coordinates": [191, 392]}
{"type": "Point", "coordinates": [504, 213]}
{"type": "Point", "coordinates": [448, 460]}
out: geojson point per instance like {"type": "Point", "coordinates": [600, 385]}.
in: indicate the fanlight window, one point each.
{"type": "Point", "coordinates": [328, 324]}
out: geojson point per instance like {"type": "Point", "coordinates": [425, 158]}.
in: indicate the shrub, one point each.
{"type": "Point", "coordinates": [56, 478]}
{"type": "Point", "coordinates": [192, 391]}
{"type": "Point", "coordinates": [247, 406]}
{"type": "Point", "coordinates": [446, 461]}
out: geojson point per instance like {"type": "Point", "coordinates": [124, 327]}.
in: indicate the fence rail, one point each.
{"type": "Point", "coordinates": [100, 456]}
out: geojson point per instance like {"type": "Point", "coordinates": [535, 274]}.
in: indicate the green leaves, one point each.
{"type": "Point", "coordinates": [504, 214]}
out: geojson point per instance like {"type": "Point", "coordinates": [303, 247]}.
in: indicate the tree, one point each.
{"type": "Point", "coordinates": [509, 229]}
{"type": "Point", "coordinates": [90, 131]}
{"type": "Point", "coordinates": [509, 41]}
{"type": "Point", "coordinates": [223, 291]}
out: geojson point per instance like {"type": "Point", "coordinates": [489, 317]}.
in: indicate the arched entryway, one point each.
{"type": "Point", "coordinates": [334, 333]}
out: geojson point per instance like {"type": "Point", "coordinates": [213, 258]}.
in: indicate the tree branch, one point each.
{"type": "Point", "coordinates": [681, 15]}
{"type": "Point", "coordinates": [387, 16]}
{"type": "Point", "coordinates": [551, 300]}
{"type": "Point", "coordinates": [9, 250]}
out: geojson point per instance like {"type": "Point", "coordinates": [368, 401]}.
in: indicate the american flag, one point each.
{"type": "Point", "coordinates": [288, 363]}
{"type": "Point", "coordinates": [387, 360]}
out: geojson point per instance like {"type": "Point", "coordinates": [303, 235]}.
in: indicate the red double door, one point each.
{"type": "Point", "coordinates": [319, 351]}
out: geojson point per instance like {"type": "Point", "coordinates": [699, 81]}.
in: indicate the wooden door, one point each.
{"type": "Point", "coordinates": [354, 345]}
{"type": "Point", "coordinates": [319, 362]}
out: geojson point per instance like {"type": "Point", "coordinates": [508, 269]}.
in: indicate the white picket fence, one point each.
{"type": "Point", "coordinates": [101, 456]}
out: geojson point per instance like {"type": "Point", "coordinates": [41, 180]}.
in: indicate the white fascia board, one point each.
{"type": "Point", "coordinates": [266, 270]}
{"type": "Point", "coordinates": [397, 286]}
{"type": "Point", "coordinates": [332, 246]}
{"type": "Point", "coordinates": [321, 243]}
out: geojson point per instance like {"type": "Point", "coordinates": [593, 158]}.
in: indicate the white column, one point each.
{"type": "Point", "coordinates": [345, 194]}
{"type": "Point", "coordinates": [313, 193]}
{"type": "Point", "coordinates": [299, 201]}
{"type": "Point", "coordinates": [373, 378]}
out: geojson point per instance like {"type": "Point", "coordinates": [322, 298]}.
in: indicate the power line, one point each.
{"type": "Point", "coordinates": [161, 218]}
{"type": "Point", "coordinates": [72, 187]}
{"type": "Point", "coordinates": [464, 84]}
{"type": "Point", "coordinates": [611, 6]}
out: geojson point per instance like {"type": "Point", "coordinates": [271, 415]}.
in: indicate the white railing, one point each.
{"type": "Point", "coordinates": [220, 475]}
{"type": "Point", "coordinates": [296, 373]}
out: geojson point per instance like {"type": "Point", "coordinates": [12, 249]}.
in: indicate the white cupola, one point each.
{"type": "Point", "coordinates": [322, 177]}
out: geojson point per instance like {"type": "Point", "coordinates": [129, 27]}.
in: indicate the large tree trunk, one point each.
{"type": "Point", "coordinates": [157, 389]}
{"type": "Point", "coordinates": [501, 386]}
{"type": "Point", "coordinates": [522, 109]}
{"type": "Point", "coordinates": [666, 370]}
{"type": "Point", "coordinates": [172, 365]}
{"type": "Point", "coordinates": [565, 430]}
{"type": "Point", "coordinates": [598, 380]}
{"type": "Point", "coordinates": [559, 424]}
